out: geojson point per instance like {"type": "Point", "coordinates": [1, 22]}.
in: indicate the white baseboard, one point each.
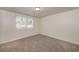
{"type": "Point", "coordinates": [59, 38]}
{"type": "Point", "coordinates": [36, 34]}
{"type": "Point", "coordinates": [2, 42]}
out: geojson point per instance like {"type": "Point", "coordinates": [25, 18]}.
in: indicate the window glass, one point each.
{"type": "Point", "coordinates": [24, 21]}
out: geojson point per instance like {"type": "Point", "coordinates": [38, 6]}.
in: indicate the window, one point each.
{"type": "Point", "coordinates": [24, 21]}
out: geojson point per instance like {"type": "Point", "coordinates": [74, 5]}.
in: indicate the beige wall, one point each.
{"type": "Point", "coordinates": [0, 27]}
{"type": "Point", "coordinates": [9, 30]}
{"type": "Point", "coordinates": [64, 26]}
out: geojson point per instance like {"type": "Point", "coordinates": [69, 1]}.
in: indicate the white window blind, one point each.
{"type": "Point", "coordinates": [24, 21]}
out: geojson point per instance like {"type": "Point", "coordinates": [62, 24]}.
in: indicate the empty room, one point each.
{"type": "Point", "coordinates": [39, 29]}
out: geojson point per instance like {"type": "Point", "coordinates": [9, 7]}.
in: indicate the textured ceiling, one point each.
{"type": "Point", "coordinates": [44, 11]}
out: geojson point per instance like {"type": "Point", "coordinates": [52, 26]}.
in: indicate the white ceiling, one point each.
{"type": "Point", "coordinates": [44, 11]}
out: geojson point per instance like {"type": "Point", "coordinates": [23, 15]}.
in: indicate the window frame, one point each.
{"type": "Point", "coordinates": [26, 26]}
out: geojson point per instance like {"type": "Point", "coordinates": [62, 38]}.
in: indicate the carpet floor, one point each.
{"type": "Point", "coordinates": [39, 43]}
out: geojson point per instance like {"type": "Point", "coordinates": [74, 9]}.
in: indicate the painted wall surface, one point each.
{"type": "Point", "coordinates": [64, 26]}
{"type": "Point", "coordinates": [0, 26]}
{"type": "Point", "coordinates": [9, 30]}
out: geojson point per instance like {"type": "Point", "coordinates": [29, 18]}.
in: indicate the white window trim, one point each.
{"type": "Point", "coordinates": [27, 26]}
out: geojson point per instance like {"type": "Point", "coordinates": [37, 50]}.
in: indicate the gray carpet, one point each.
{"type": "Point", "coordinates": [39, 43]}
